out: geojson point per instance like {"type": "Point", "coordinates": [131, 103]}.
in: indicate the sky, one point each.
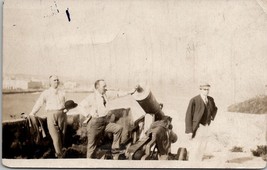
{"type": "Point", "coordinates": [161, 42]}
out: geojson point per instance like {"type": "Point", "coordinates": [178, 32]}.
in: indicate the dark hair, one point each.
{"type": "Point", "coordinates": [97, 82]}
{"type": "Point", "coordinates": [52, 76]}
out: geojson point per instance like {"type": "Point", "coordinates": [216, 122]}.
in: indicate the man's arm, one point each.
{"type": "Point", "coordinates": [38, 104]}
{"type": "Point", "coordinates": [87, 107]}
{"type": "Point", "coordinates": [116, 93]}
{"type": "Point", "coordinates": [125, 93]}
{"type": "Point", "coordinates": [214, 109]}
{"type": "Point", "coordinates": [189, 117]}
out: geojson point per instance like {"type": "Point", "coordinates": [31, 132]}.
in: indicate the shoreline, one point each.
{"type": "Point", "coordinates": [41, 90]}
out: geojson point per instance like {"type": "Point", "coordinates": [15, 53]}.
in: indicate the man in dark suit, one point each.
{"type": "Point", "coordinates": [201, 110]}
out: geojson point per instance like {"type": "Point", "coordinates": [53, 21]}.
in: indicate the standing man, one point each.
{"type": "Point", "coordinates": [54, 100]}
{"type": "Point", "coordinates": [94, 106]}
{"type": "Point", "coordinates": [201, 110]}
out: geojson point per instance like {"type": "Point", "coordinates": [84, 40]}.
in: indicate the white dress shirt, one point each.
{"type": "Point", "coordinates": [204, 98]}
{"type": "Point", "coordinates": [54, 99]}
{"type": "Point", "coordinates": [93, 104]}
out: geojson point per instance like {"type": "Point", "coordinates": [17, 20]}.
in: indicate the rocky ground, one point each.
{"type": "Point", "coordinates": [255, 105]}
{"type": "Point", "coordinates": [236, 138]}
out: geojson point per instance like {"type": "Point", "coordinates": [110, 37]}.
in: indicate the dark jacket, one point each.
{"type": "Point", "coordinates": [195, 112]}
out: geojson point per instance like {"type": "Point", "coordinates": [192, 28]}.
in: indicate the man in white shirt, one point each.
{"type": "Point", "coordinates": [54, 100]}
{"type": "Point", "coordinates": [94, 106]}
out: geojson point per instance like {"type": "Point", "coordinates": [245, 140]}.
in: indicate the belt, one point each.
{"type": "Point", "coordinates": [56, 110]}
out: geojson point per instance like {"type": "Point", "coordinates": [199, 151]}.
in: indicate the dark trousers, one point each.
{"type": "Point", "coordinates": [96, 128]}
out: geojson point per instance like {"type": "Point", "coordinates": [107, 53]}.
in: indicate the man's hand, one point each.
{"type": "Point", "coordinates": [112, 118]}
{"type": "Point", "coordinates": [31, 114]}
{"type": "Point", "coordinates": [85, 122]}
{"type": "Point", "coordinates": [23, 116]}
{"type": "Point", "coordinates": [134, 89]}
{"type": "Point", "coordinates": [189, 136]}
{"type": "Point", "coordinates": [109, 113]}
{"type": "Point", "coordinates": [141, 126]}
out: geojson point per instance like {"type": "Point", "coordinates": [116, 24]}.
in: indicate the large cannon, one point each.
{"type": "Point", "coordinates": [147, 133]}
{"type": "Point", "coordinates": [155, 140]}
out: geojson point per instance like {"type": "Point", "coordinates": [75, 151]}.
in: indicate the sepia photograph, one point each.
{"type": "Point", "coordinates": [134, 84]}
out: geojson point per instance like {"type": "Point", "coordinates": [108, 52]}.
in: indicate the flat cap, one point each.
{"type": "Point", "coordinates": [204, 85]}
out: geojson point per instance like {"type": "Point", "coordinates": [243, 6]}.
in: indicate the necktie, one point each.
{"type": "Point", "coordinates": [104, 101]}
{"type": "Point", "coordinates": [206, 100]}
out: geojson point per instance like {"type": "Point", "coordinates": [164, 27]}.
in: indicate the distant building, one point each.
{"type": "Point", "coordinates": [20, 84]}
{"type": "Point", "coordinates": [70, 85]}
{"type": "Point", "coordinates": [11, 84]}
{"type": "Point", "coordinates": [35, 85]}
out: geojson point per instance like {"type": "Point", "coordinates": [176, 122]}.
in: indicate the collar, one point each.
{"type": "Point", "coordinates": [55, 91]}
{"type": "Point", "coordinates": [98, 94]}
{"type": "Point", "coordinates": [204, 97]}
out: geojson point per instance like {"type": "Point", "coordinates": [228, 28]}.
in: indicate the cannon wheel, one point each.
{"type": "Point", "coordinates": [182, 154]}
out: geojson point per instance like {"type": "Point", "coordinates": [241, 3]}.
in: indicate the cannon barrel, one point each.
{"type": "Point", "coordinates": [148, 102]}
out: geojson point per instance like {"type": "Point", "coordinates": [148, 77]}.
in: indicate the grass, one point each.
{"type": "Point", "coordinates": [260, 151]}
{"type": "Point", "coordinates": [237, 149]}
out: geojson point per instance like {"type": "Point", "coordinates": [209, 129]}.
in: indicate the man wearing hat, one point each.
{"type": "Point", "coordinates": [201, 110]}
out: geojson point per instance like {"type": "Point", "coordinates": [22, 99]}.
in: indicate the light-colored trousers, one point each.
{"type": "Point", "coordinates": [198, 144]}
{"type": "Point", "coordinates": [95, 130]}
{"type": "Point", "coordinates": [57, 123]}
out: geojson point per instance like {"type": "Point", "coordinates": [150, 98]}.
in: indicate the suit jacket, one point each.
{"type": "Point", "coordinates": [195, 112]}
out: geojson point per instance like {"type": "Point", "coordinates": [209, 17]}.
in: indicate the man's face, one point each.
{"type": "Point", "coordinates": [54, 82]}
{"type": "Point", "coordinates": [205, 91]}
{"type": "Point", "coordinates": [102, 87]}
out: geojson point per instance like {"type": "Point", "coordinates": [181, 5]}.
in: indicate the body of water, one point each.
{"type": "Point", "coordinates": [15, 104]}
{"type": "Point", "coordinates": [174, 99]}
